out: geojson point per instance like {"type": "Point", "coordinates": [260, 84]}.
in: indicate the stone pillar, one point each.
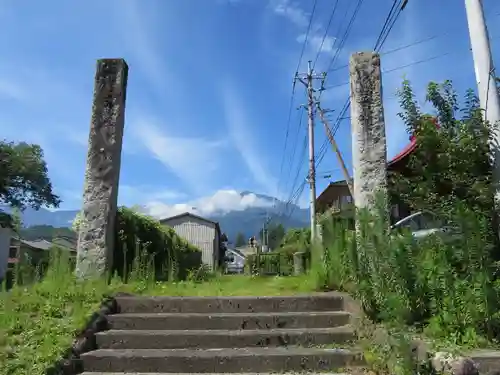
{"type": "Point", "coordinates": [369, 149]}
{"type": "Point", "coordinates": [298, 263]}
{"type": "Point", "coordinates": [97, 229]}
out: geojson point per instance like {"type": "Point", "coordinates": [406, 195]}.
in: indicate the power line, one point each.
{"type": "Point", "coordinates": [293, 95]}
{"type": "Point", "coordinates": [409, 45]}
{"type": "Point", "coordinates": [428, 59]}
{"type": "Point", "coordinates": [378, 45]}
{"type": "Point", "coordinates": [389, 15]}
{"type": "Point", "coordinates": [346, 33]}
{"type": "Point", "coordinates": [307, 35]}
{"type": "Point", "coordinates": [326, 33]}
{"type": "Point", "coordinates": [301, 156]}
{"type": "Point", "coordinates": [344, 38]}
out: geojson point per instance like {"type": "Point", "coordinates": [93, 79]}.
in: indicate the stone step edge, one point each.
{"type": "Point", "coordinates": [230, 314]}
{"type": "Point", "coordinates": [187, 373]}
{"type": "Point", "coordinates": [226, 332]}
{"type": "Point", "coordinates": [215, 352]}
{"type": "Point", "coordinates": [321, 295]}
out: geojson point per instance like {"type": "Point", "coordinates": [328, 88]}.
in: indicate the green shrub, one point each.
{"type": "Point", "coordinates": [274, 263]}
{"type": "Point", "coordinates": [143, 240]}
{"type": "Point", "coordinates": [449, 289]}
{"type": "Point", "coordinates": [444, 287]}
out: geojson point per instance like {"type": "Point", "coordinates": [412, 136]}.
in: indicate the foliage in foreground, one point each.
{"type": "Point", "coordinates": [446, 288]}
{"type": "Point", "coordinates": [451, 165]}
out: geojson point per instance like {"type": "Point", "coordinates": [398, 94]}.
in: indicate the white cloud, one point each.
{"type": "Point", "coordinates": [138, 33]}
{"type": "Point", "coordinates": [194, 160]}
{"type": "Point", "coordinates": [300, 18]}
{"type": "Point", "coordinates": [244, 141]}
{"type": "Point", "coordinates": [222, 201]}
{"type": "Point", "coordinates": [290, 11]}
{"type": "Point", "coordinates": [315, 42]}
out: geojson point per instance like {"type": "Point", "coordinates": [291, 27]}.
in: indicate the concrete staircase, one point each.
{"type": "Point", "coordinates": [160, 335]}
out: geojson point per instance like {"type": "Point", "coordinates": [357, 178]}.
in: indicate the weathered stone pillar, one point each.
{"type": "Point", "coordinates": [369, 149]}
{"type": "Point", "coordinates": [97, 229]}
{"type": "Point", "coordinates": [298, 263]}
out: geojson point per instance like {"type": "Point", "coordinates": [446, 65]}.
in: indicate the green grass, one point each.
{"type": "Point", "coordinates": [236, 285]}
{"type": "Point", "coordinates": [40, 321]}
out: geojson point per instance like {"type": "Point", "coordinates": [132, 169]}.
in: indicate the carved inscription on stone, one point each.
{"type": "Point", "coordinates": [368, 129]}
{"type": "Point", "coordinates": [96, 233]}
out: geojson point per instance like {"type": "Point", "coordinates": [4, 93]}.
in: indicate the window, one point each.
{"type": "Point", "coordinates": [13, 252]}
{"type": "Point", "coordinates": [412, 224]}
{"type": "Point", "coordinates": [429, 221]}
{"type": "Point", "coordinates": [422, 221]}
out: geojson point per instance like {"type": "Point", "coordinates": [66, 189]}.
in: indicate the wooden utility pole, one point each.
{"type": "Point", "coordinates": [307, 80]}
{"type": "Point", "coordinates": [335, 147]}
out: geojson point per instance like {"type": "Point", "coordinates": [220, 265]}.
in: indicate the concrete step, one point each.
{"type": "Point", "coordinates": [204, 339]}
{"type": "Point", "coordinates": [299, 303]}
{"type": "Point", "coordinates": [273, 359]}
{"type": "Point", "coordinates": [182, 373]}
{"type": "Point", "coordinates": [171, 321]}
{"type": "Point", "coordinates": [487, 360]}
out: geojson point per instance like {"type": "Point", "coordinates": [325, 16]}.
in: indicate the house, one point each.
{"type": "Point", "coordinates": [36, 253]}
{"type": "Point", "coordinates": [200, 232]}
{"type": "Point", "coordinates": [337, 199]}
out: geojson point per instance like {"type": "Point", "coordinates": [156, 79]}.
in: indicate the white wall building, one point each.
{"type": "Point", "coordinates": [200, 232]}
{"type": "Point", "coordinates": [5, 236]}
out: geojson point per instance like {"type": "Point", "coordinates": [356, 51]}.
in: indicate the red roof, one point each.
{"type": "Point", "coordinates": [408, 149]}
{"type": "Point", "coordinates": [405, 152]}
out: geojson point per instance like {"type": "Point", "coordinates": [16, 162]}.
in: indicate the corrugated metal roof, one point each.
{"type": "Point", "coordinates": [166, 220]}
{"type": "Point", "coordinates": [42, 245]}
{"type": "Point", "coordinates": [188, 214]}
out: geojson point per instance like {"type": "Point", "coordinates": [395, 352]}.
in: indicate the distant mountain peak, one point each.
{"type": "Point", "coordinates": [260, 196]}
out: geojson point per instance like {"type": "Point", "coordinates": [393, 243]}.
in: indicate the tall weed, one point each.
{"type": "Point", "coordinates": [446, 288]}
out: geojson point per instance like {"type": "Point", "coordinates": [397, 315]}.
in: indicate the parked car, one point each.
{"type": "Point", "coordinates": [425, 223]}
{"type": "Point", "coordinates": [234, 261]}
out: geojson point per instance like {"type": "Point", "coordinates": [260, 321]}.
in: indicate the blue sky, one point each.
{"type": "Point", "coordinates": [209, 87]}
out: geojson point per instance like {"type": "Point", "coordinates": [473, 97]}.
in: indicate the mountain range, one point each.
{"type": "Point", "coordinates": [248, 221]}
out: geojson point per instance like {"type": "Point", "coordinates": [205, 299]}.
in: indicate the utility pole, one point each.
{"type": "Point", "coordinates": [486, 85]}
{"type": "Point", "coordinates": [307, 80]}
{"type": "Point", "coordinates": [335, 147]}
{"type": "Point", "coordinates": [483, 63]}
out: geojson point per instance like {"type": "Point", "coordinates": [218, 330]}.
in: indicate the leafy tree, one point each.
{"type": "Point", "coordinates": [296, 236]}
{"type": "Point", "coordinates": [240, 240]}
{"type": "Point", "coordinates": [24, 177]}
{"type": "Point", "coordinates": [451, 163]}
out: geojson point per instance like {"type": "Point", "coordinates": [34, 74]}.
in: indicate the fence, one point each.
{"type": "Point", "coordinates": [273, 263]}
